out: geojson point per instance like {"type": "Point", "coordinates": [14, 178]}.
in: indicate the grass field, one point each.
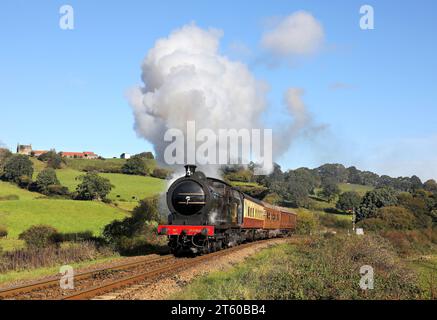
{"type": "Point", "coordinates": [127, 188]}
{"type": "Point", "coordinates": [64, 215]}
{"type": "Point", "coordinates": [8, 189]}
{"type": "Point", "coordinates": [360, 189]}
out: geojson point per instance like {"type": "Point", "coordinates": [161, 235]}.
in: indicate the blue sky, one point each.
{"type": "Point", "coordinates": [375, 90]}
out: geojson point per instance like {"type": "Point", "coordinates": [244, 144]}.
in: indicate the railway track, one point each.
{"type": "Point", "coordinates": [99, 282]}
{"type": "Point", "coordinates": [179, 265]}
{"type": "Point", "coordinates": [50, 288]}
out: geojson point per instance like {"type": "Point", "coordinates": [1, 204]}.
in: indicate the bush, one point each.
{"type": "Point", "coordinates": [372, 224]}
{"type": "Point", "coordinates": [40, 236]}
{"type": "Point", "coordinates": [30, 258]}
{"type": "Point", "coordinates": [57, 190]}
{"type": "Point", "coordinates": [76, 236]}
{"type": "Point", "coordinates": [161, 173]}
{"type": "Point", "coordinates": [306, 223]}
{"type": "Point", "coordinates": [24, 182]}
{"type": "Point", "coordinates": [147, 210]}
{"type": "Point", "coordinates": [396, 217]}
{"type": "Point", "coordinates": [3, 232]}
{"type": "Point", "coordinates": [331, 221]}
{"type": "Point", "coordinates": [130, 234]}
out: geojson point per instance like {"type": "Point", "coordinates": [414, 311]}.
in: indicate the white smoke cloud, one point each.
{"type": "Point", "coordinates": [297, 34]}
{"type": "Point", "coordinates": [303, 123]}
{"type": "Point", "coordinates": [186, 78]}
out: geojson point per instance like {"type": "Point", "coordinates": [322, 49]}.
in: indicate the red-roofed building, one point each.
{"type": "Point", "coordinates": [79, 155]}
{"type": "Point", "coordinates": [37, 153]}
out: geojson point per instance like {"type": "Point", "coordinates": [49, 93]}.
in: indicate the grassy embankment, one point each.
{"type": "Point", "coordinates": [68, 215]}
{"type": "Point", "coordinates": [320, 268]}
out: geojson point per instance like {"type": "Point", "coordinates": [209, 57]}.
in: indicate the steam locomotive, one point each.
{"type": "Point", "coordinates": [208, 214]}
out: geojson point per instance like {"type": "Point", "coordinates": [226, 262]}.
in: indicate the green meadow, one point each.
{"type": "Point", "coordinates": [20, 209]}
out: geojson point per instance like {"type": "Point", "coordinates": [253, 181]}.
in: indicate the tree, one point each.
{"type": "Point", "coordinates": [333, 171]}
{"type": "Point", "coordinates": [369, 178]}
{"type": "Point", "coordinates": [46, 178]}
{"type": "Point", "coordinates": [145, 155]}
{"type": "Point", "coordinates": [135, 165]}
{"type": "Point", "coordinates": [348, 201]}
{"type": "Point", "coordinates": [4, 155]}
{"type": "Point", "coordinates": [16, 167]}
{"type": "Point", "coordinates": [93, 187]}
{"type": "Point", "coordinates": [430, 186]}
{"type": "Point", "coordinates": [330, 190]}
{"type": "Point", "coordinates": [375, 199]}
{"type": "Point", "coordinates": [53, 159]}
{"type": "Point", "coordinates": [354, 175]}
{"type": "Point", "coordinates": [416, 183]}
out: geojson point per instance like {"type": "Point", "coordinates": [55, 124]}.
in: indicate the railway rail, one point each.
{"type": "Point", "coordinates": [50, 288]}
{"type": "Point", "coordinates": [90, 284]}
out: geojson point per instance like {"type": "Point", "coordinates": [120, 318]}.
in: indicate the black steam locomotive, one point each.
{"type": "Point", "coordinates": [207, 214]}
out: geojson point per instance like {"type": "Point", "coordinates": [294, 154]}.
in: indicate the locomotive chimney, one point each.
{"type": "Point", "coordinates": [190, 169]}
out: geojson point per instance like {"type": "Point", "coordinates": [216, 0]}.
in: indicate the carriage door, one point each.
{"type": "Point", "coordinates": [239, 201]}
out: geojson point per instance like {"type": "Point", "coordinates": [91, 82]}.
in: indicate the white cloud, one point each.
{"type": "Point", "coordinates": [297, 34]}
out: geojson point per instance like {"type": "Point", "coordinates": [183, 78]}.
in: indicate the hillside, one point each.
{"type": "Point", "coordinates": [20, 209]}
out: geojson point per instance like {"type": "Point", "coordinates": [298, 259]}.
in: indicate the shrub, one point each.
{"type": "Point", "coordinates": [3, 232]}
{"type": "Point", "coordinates": [132, 233]}
{"type": "Point", "coordinates": [307, 223]}
{"type": "Point", "coordinates": [396, 217]}
{"type": "Point", "coordinates": [147, 210]}
{"type": "Point", "coordinates": [24, 182]}
{"type": "Point", "coordinates": [40, 236]}
{"type": "Point", "coordinates": [331, 221]}
{"type": "Point", "coordinates": [273, 198]}
{"type": "Point", "coordinates": [57, 190]}
{"type": "Point", "coordinates": [76, 236]}
{"type": "Point", "coordinates": [372, 224]}
{"type": "Point", "coordinates": [161, 173]}
{"type": "Point", "coordinates": [29, 258]}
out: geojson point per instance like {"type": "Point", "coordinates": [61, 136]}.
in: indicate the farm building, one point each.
{"type": "Point", "coordinates": [37, 153]}
{"type": "Point", "coordinates": [79, 155]}
{"type": "Point", "coordinates": [25, 149]}
{"type": "Point", "coordinates": [125, 156]}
